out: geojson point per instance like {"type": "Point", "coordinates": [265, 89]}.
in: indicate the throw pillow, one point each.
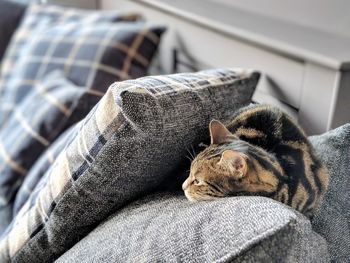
{"type": "Point", "coordinates": [132, 140]}
{"type": "Point", "coordinates": [39, 18]}
{"type": "Point", "coordinates": [52, 106]}
{"type": "Point", "coordinates": [333, 218]}
{"type": "Point", "coordinates": [89, 48]}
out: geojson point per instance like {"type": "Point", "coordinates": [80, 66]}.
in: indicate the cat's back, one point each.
{"type": "Point", "coordinates": [306, 178]}
{"type": "Point", "coordinates": [265, 125]}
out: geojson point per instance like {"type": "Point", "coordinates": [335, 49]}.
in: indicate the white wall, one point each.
{"type": "Point", "coordinates": [86, 4]}
{"type": "Point", "coordinates": [327, 15]}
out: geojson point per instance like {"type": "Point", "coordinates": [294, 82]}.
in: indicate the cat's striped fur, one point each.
{"type": "Point", "coordinates": [262, 152]}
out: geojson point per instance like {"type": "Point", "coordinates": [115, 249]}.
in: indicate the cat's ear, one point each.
{"type": "Point", "coordinates": [218, 132]}
{"type": "Point", "coordinates": [236, 161]}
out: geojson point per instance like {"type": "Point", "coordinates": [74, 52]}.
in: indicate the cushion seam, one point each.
{"type": "Point", "coordinates": [256, 240]}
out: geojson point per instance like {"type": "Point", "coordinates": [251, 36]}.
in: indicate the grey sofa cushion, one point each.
{"type": "Point", "coordinates": [169, 228]}
{"type": "Point", "coordinates": [136, 137]}
{"type": "Point", "coordinates": [333, 218]}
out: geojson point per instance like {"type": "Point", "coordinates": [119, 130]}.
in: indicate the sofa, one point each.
{"type": "Point", "coordinates": [93, 153]}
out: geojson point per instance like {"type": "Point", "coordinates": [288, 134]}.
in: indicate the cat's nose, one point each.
{"type": "Point", "coordinates": [184, 185]}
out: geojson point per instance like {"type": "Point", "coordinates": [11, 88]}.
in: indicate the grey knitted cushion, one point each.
{"type": "Point", "coordinates": [135, 137]}
{"type": "Point", "coordinates": [333, 219]}
{"type": "Point", "coordinates": [168, 228]}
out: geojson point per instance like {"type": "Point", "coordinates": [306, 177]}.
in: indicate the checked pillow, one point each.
{"type": "Point", "coordinates": [52, 106]}
{"type": "Point", "coordinates": [92, 49]}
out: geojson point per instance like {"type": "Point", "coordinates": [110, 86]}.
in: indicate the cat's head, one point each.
{"type": "Point", "coordinates": [224, 168]}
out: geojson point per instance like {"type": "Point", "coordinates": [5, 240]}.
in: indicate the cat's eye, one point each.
{"type": "Point", "coordinates": [196, 181]}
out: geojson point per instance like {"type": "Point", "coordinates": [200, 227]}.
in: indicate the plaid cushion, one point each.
{"type": "Point", "coordinates": [39, 18]}
{"type": "Point", "coordinates": [89, 49]}
{"type": "Point", "coordinates": [135, 137]}
{"type": "Point", "coordinates": [53, 105]}
{"type": "Point", "coordinates": [39, 168]}
{"type": "Point", "coordinates": [85, 49]}
{"type": "Point", "coordinates": [10, 16]}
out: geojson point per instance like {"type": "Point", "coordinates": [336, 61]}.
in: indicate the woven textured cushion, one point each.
{"type": "Point", "coordinates": [10, 16]}
{"type": "Point", "coordinates": [135, 137]}
{"type": "Point", "coordinates": [168, 228]}
{"type": "Point", "coordinates": [89, 48]}
{"type": "Point", "coordinates": [40, 167]}
{"type": "Point", "coordinates": [53, 105]}
{"type": "Point", "coordinates": [333, 219]}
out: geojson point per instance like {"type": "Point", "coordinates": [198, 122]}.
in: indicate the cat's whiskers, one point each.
{"type": "Point", "coordinates": [203, 145]}
{"type": "Point", "coordinates": [189, 158]}
{"type": "Point", "coordinates": [193, 152]}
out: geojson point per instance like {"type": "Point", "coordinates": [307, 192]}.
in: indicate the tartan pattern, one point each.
{"type": "Point", "coordinates": [39, 168]}
{"type": "Point", "coordinates": [136, 134]}
{"type": "Point", "coordinates": [88, 50]}
{"type": "Point", "coordinates": [88, 47]}
{"type": "Point", "coordinates": [52, 106]}
{"type": "Point", "coordinates": [39, 18]}
{"type": "Point", "coordinates": [92, 57]}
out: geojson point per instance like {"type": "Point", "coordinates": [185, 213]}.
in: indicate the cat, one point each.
{"type": "Point", "coordinates": [261, 152]}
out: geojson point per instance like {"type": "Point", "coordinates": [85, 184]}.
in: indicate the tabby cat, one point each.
{"type": "Point", "coordinates": [261, 152]}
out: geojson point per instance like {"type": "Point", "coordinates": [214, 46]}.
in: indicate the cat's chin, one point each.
{"type": "Point", "coordinates": [191, 199]}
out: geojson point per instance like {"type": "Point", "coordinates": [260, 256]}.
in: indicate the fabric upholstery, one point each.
{"type": "Point", "coordinates": [135, 137]}
{"type": "Point", "coordinates": [89, 48]}
{"type": "Point", "coordinates": [168, 228]}
{"type": "Point", "coordinates": [39, 168]}
{"type": "Point", "coordinates": [52, 106]}
{"type": "Point", "coordinates": [10, 16]}
{"type": "Point", "coordinates": [333, 219]}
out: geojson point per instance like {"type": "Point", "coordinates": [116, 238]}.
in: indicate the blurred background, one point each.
{"type": "Point", "coordinates": [301, 47]}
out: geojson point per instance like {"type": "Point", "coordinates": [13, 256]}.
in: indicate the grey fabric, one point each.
{"type": "Point", "coordinates": [130, 142]}
{"type": "Point", "coordinates": [294, 243]}
{"type": "Point", "coordinates": [333, 218]}
{"type": "Point", "coordinates": [168, 228]}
